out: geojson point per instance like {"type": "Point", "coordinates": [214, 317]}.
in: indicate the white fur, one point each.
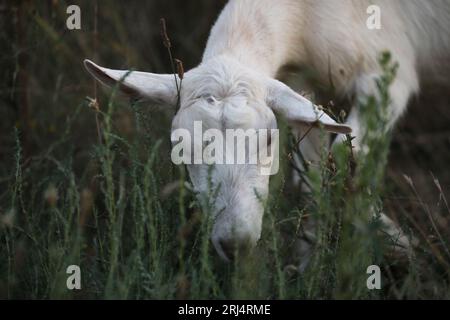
{"type": "Point", "coordinates": [251, 42]}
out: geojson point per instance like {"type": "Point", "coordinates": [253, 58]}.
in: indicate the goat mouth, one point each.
{"type": "Point", "coordinates": [231, 252]}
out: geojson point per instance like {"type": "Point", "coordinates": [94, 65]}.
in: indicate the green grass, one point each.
{"type": "Point", "coordinates": [96, 188]}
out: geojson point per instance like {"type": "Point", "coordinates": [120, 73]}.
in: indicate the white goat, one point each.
{"type": "Point", "coordinates": [235, 86]}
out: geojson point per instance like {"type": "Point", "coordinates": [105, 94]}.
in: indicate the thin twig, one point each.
{"type": "Point", "coordinates": [168, 45]}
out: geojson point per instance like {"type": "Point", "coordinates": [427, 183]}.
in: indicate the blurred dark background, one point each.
{"type": "Point", "coordinates": [43, 79]}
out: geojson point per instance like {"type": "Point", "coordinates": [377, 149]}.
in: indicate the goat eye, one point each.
{"type": "Point", "coordinates": [209, 98]}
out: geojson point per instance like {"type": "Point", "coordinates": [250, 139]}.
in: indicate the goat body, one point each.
{"type": "Point", "coordinates": [235, 86]}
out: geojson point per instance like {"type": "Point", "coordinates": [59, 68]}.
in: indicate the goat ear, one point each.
{"type": "Point", "coordinates": [158, 88]}
{"type": "Point", "coordinates": [298, 109]}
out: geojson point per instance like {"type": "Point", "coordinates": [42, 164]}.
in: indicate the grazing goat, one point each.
{"type": "Point", "coordinates": [235, 85]}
